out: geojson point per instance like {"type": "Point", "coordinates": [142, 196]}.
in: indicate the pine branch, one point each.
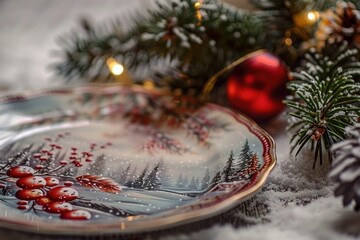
{"type": "Point", "coordinates": [326, 100]}
{"type": "Point", "coordinates": [174, 34]}
{"type": "Point", "coordinates": [279, 18]}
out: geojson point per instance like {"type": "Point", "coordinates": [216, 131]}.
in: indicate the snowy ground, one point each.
{"type": "Point", "coordinates": [299, 202]}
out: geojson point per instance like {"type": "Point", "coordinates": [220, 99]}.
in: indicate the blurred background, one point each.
{"type": "Point", "coordinates": [29, 31]}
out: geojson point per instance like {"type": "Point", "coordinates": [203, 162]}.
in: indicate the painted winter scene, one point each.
{"type": "Point", "coordinates": [99, 154]}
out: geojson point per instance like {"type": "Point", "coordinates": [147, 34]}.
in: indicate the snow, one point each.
{"type": "Point", "coordinates": [300, 199]}
{"type": "Point", "coordinates": [301, 203]}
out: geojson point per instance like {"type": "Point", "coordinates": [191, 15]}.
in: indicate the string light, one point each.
{"type": "Point", "coordinates": [306, 18]}
{"type": "Point", "coordinates": [313, 16]}
{"type": "Point", "coordinates": [115, 67]}
{"type": "Point", "coordinates": [198, 15]}
{"type": "Point", "coordinates": [148, 84]}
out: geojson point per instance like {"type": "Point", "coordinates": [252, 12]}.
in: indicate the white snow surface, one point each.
{"type": "Point", "coordinates": [300, 199]}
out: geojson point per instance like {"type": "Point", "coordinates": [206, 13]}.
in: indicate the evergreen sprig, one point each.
{"type": "Point", "coordinates": [280, 20]}
{"type": "Point", "coordinates": [326, 100]}
{"type": "Point", "coordinates": [196, 40]}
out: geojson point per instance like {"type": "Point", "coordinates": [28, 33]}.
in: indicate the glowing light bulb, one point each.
{"type": "Point", "coordinates": [198, 15]}
{"type": "Point", "coordinates": [115, 67]}
{"type": "Point", "coordinates": [313, 16]}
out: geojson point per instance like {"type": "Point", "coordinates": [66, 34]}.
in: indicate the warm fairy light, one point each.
{"type": "Point", "coordinates": [288, 41]}
{"type": "Point", "coordinates": [313, 16]}
{"type": "Point", "coordinates": [198, 15]}
{"type": "Point", "coordinates": [148, 84]}
{"type": "Point", "coordinates": [306, 18]}
{"type": "Point", "coordinates": [115, 67]}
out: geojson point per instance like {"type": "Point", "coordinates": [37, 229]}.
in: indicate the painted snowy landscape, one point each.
{"type": "Point", "coordinates": [120, 157]}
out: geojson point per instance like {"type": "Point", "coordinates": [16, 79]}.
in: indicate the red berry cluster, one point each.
{"type": "Point", "coordinates": [77, 158]}
{"type": "Point", "coordinates": [47, 193]}
{"type": "Point", "coordinates": [45, 155]}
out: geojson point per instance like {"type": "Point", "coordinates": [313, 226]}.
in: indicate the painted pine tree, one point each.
{"type": "Point", "coordinates": [242, 164]}
{"type": "Point", "coordinates": [193, 185]}
{"type": "Point", "coordinates": [164, 175]}
{"type": "Point", "coordinates": [132, 178]}
{"type": "Point", "coordinates": [206, 179]}
{"type": "Point", "coordinates": [254, 165]}
{"type": "Point", "coordinates": [124, 174]}
{"type": "Point", "coordinates": [216, 179]}
{"type": "Point", "coordinates": [197, 183]}
{"type": "Point", "coordinates": [152, 181]}
{"type": "Point", "coordinates": [139, 182]}
{"type": "Point", "coordinates": [98, 166]}
{"type": "Point", "coordinates": [186, 182]}
{"type": "Point", "coordinates": [180, 181]}
{"type": "Point", "coordinates": [228, 171]}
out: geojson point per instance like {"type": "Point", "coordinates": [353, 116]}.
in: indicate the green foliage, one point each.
{"type": "Point", "coordinates": [172, 34]}
{"type": "Point", "coordinates": [326, 99]}
{"type": "Point", "coordinates": [279, 18]}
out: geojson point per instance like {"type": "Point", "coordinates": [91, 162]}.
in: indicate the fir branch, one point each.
{"type": "Point", "coordinates": [326, 100]}
{"type": "Point", "coordinates": [172, 34]}
{"type": "Point", "coordinates": [279, 18]}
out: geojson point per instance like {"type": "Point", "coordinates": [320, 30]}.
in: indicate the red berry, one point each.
{"type": "Point", "coordinates": [58, 147]}
{"type": "Point", "coordinates": [20, 171]}
{"type": "Point", "coordinates": [57, 207]}
{"type": "Point", "coordinates": [63, 162]}
{"type": "Point", "coordinates": [29, 194]}
{"type": "Point", "coordinates": [51, 181]}
{"type": "Point", "coordinates": [74, 148]}
{"type": "Point", "coordinates": [73, 153]}
{"type": "Point", "coordinates": [31, 182]}
{"type": "Point", "coordinates": [22, 202]}
{"type": "Point", "coordinates": [68, 183]}
{"type": "Point", "coordinates": [88, 160]}
{"type": "Point", "coordinates": [43, 158]}
{"type": "Point", "coordinates": [76, 215]}
{"type": "Point", "coordinates": [72, 157]}
{"type": "Point", "coordinates": [42, 200]}
{"type": "Point", "coordinates": [44, 151]}
{"type": "Point", "coordinates": [39, 167]}
{"type": "Point", "coordinates": [77, 163]}
{"type": "Point", "coordinates": [53, 145]}
{"type": "Point", "coordinates": [63, 194]}
{"type": "Point", "coordinates": [37, 155]}
{"type": "Point", "coordinates": [23, 207]}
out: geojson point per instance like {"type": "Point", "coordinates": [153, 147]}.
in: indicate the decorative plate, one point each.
{"type": "Point", "coordinates": [93, 159]}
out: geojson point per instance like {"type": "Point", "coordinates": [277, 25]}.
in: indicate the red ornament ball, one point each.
{"type": "Point", "coordinates": [257, 86]}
